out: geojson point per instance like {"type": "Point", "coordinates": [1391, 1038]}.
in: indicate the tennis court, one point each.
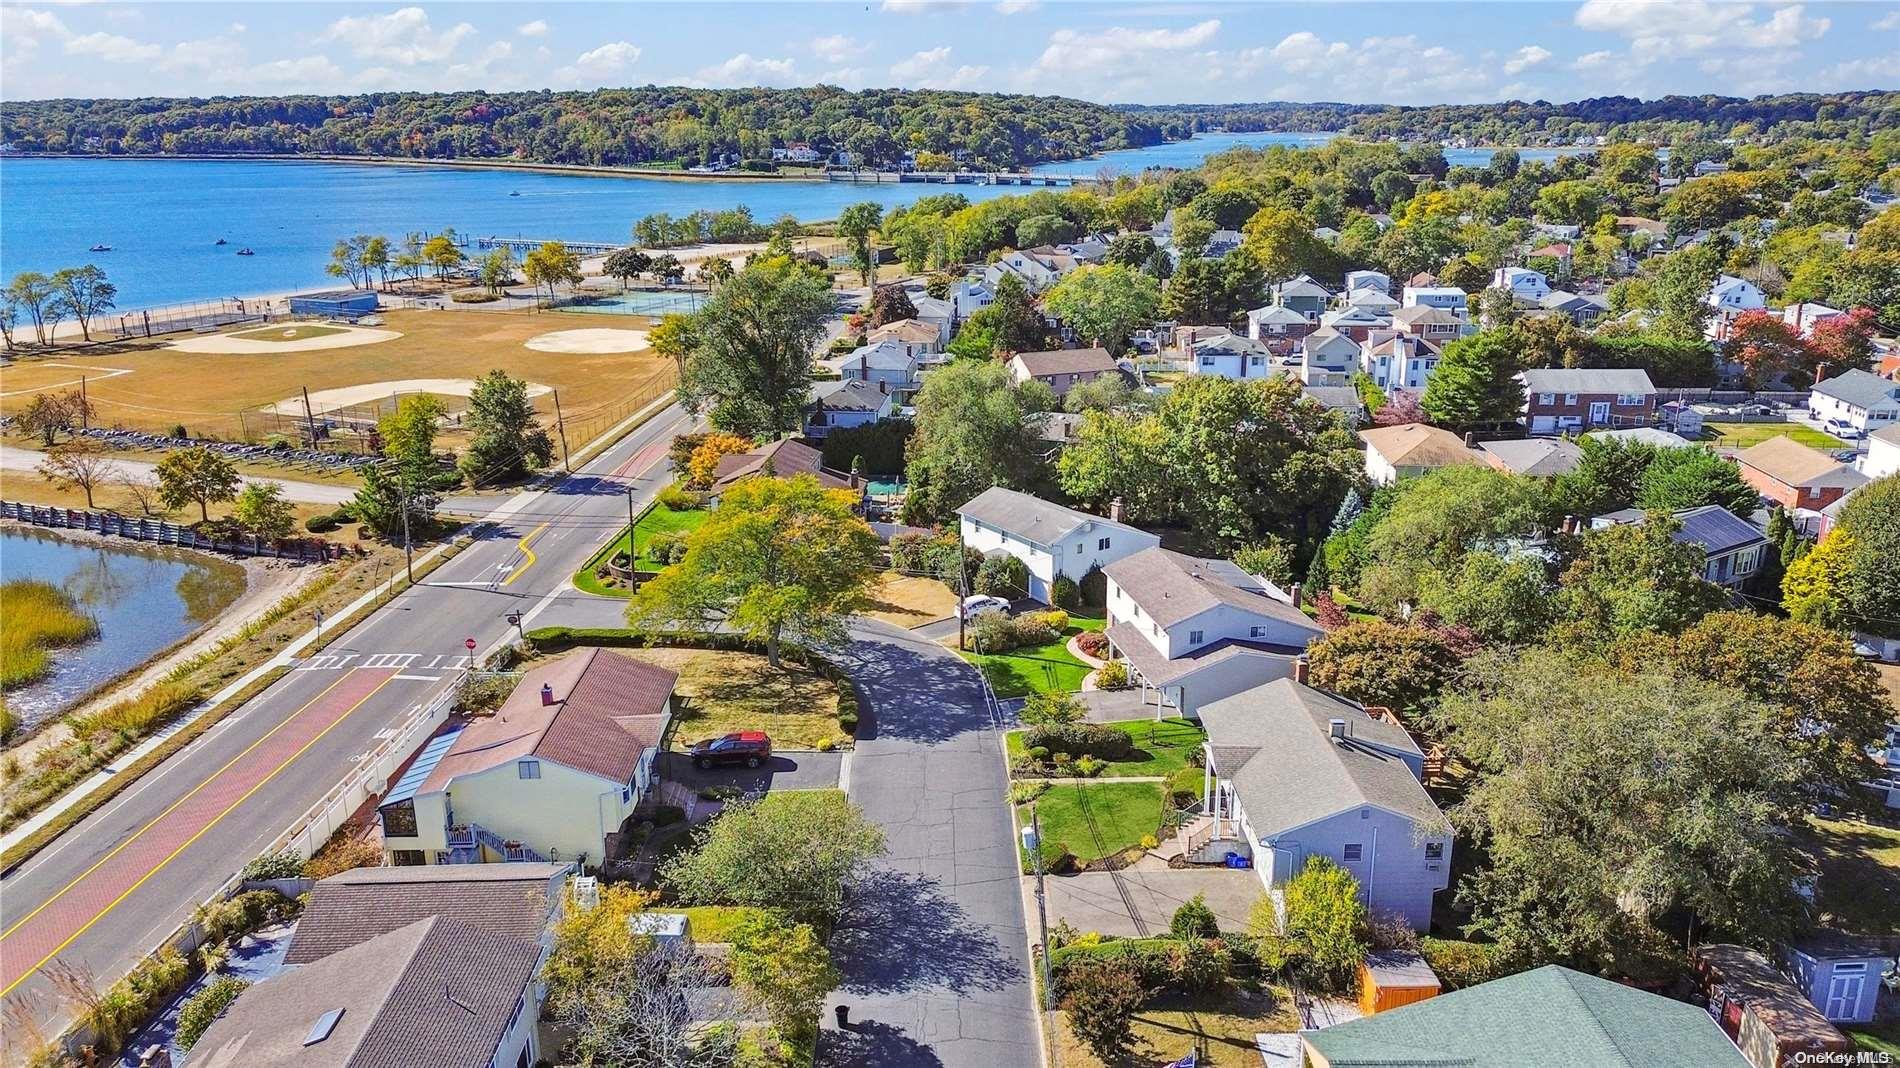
{"type": "Point", "coordinates": [648, 302]}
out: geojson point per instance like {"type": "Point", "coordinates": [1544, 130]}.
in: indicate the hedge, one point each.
{"type": "Point", "coordinates": [551, 639]}
{"type": "Point", "coordinates": [1462, 964]}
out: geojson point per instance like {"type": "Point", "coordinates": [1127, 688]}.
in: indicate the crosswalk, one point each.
{"type": "Point", "coordinates": [405, 664]}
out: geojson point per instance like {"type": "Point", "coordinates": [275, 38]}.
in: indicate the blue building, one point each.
{"type": "Point", "coordinates": [334, 303]}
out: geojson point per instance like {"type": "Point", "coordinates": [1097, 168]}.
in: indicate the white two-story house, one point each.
{"type": "Point", "coordinates": [846, 404]}
{"type": "Point", "coordinates": [1733, 295]}
{"type": "Point", "coordinates": [1195, 630]}
{"type": "Point", "coordinates": [1522, 282]}
{"type": "Point", "coordinates": [1229, 356]}
{"type": "Point", "coordinates": [1399, 362]}
{"type": "Point", "coordinates": [1374, 280]}
{"type": "Point", "coordinates": [1294, 773]}
{"type": "Point", "coordinates": [1447, 298]}
{"type": "Point", "coordinates": [1857, 400]}
{"type": "Point", "coordinates": [1050, 539]}
{"type": "Point", "coordinates": [888, 363]}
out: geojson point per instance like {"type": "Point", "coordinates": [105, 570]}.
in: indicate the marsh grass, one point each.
{"type": "Point", "coordinates": [39, 617]}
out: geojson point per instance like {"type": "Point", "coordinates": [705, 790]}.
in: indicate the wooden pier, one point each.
{"type": "Point", "coordinates": [529, 244]}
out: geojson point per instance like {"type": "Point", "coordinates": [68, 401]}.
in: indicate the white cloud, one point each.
{"type": "Point", "coordinates": [305, 72]}
{"type": "Point", "coordinates": [934, 69]}
{"type": "Point", "coordinates": [1376, 69]}
{"type": "Point", "coordinates": [22, 28]}
{"type": "Point", "coordinates": [613, 56]}
{"type": "Point", "coordinates": [747, 69]}
{"type": "Point", "coordinates": [1525, 58]}
{"type": "Point", "coordinates": [237, 27]}
{"type": "Point", "coordinates": [208, 55]}
{"type": "Point", "coordinates": [921, 7]}
{"type": "Point", "coordinates": [404, 37]}
{"type": "Point", "coordinates": [1889, 21]}
{"type": "Point", "coordinates": [1016, 7]}
{"type": "Point", "coordinates": [537, 28]}
{"type": "Point", "coordinates": [845, 77]}
{"type": "Point", "coordinates": [1305, 52]}
{"type": "Point", "coordinates": [1674, 29]}
{"type": "Point", "coordinates": [837, 47]}
{"type": "Point", "coordinates": [1593, 60]}
{"type": "Point", "coordinates": [113, 48]}
{"type": "Point", "coordinates": [1072, 51]}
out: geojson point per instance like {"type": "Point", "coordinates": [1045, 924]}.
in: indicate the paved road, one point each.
{"type": "Point", "coordinates": [104, 894]}
{"type": "Point", "coordinates": [934, 950]}
{"type": "Point", "coordinates": [14, 458]}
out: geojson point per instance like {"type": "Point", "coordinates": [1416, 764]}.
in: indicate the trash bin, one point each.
{"type": "Point", "coordinates": [844, 1014]}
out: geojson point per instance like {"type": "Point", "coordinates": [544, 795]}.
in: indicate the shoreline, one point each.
{"type": "Point", "coordinates": [572, 170]}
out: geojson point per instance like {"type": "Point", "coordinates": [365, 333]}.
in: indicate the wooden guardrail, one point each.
{"type": "Point", "coordinates": [160, 532]}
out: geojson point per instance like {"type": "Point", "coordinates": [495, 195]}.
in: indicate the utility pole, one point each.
{"type": "Point", "coordinates": [309, 419]}
{"type": "Point", "coordinates": [408, 549]}
{"type": "Point", "coordinates": [963, 583]}
{"type": "Point", "coordinates": [561, 425]}
{"type": "Point", "coordinates": [630, 523]}
{"type": "Point", "coordinates": [1032, 842]}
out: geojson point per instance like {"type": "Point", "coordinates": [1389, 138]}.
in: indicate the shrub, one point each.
{"type": "Point", "coordinates": [1089, 767]}
{"type": "Point", "coordinates": [1101, 998]}
{"type": "Point", "coordinates": [284, 865]}
{"type": "Point", "coordinates": [1056, 858]}
{"type": "Point", "coordinates": [1094, 588]}
{"type": "Point", "coordinates": [1149, 841]}
{"type": "Point", "coordinates": [1093, 642]}
{"type": "Point", "coordinates": [472, 296]}
{"type": "Point", "coordinates": [135, 999]}
{"type": "Point", "coordinates": [1199, 964]}
{"type": "Point", "coordinates": [1462, 964]}
{"type": "Point", "coordinates": [1037, 753]}
{"type": "Point", "coordinates": [1082, 739]}
{"type": "Point", "coordinates": [1194, 920]}
{"type": "Point", "coordinates": [343, 852]}
{"type": "Point", "coordinates": [1112, 676]}
{"type": "Point", "coordinates": [224, 922]}
{"type": "Point", "coordinates": [667, 815]}
{"type": "Point", "coordinates": [679, 499]}
{"type": "Point", "coordinates": [1055, 620]}
{"type": "Point", "coordinates": [206, 1006]}
{"type": "Point", "coordinates": [826, 745]}
{"type": "Point", "coordinates": [1023, 793]}
{"type": "Point", "coordinates": [1003, 576]}
{"type": "Point", "coordinates": [1065, 594]}
{"type": "Point", "coordinates": [320, 524]}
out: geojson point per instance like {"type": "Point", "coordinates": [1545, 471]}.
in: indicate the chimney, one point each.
{"type": "Point", "coordinates": [1820, 373]}
{"type": "Point", "coordinates": [1115, 508]}
{"type": "Point", "coordinates": [547, 693]}
{"type": "Point", "coordinates": [1336, 728]}
{"type": "Point", "coordinates": [883, 386]}
{"type": "Point", "coordinates": [1299, 671]}
{"type": "Point", "coordinates": [1471, 439]}
{"type": "Point", "coordinates": [1295, 594]}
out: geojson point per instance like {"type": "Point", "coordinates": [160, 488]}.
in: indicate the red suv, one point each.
{"type": "Point", "coordinates": [751, 748]}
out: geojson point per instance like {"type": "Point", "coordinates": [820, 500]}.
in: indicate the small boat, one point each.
{"type": "Point", "coordinates": [100, 248]}
{"type": "Point", "coordinates": [515, 194]}
{"type": "Point", "coordinates": [219, 241]}
{"type": "Point", "coordinates": [245, 252]}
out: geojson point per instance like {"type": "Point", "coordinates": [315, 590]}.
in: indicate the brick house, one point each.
{"type": "Point", "coordinates": [1795, 475]}
{"type": "Point", "coordinates": [1583, 398]}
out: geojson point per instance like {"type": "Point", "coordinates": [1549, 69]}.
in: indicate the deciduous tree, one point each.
{"type": "Point", "coordinates": [261, 509]}
{"type": "Point", "coordinates": [752, 347]}
{"type": "Point", "coordinates": [1375, 662]}
{"type": "Point", "coordinates": [856, 224]}
{"type": "Point", "coordinates": [973, 431]}
{"type": "Point", "coordinates": [85, 293]}
{"type": "Point", "coordinates": [505, 441]}
{"type": "Point", "coordinates": [81, 464]}
{"type": "Point", "coordinates": [196, 476]}
{"type": "Point", "coordinates": [799, 852]}
{"type": "Point", "coordinates": [1105, 304]}
{"type": "Point", "coordinates": [1632, 578]}
{"type": "Point", "coordinates": [1322, 939]}
{"type": "Point", "coordinates": [785, 971]}
{"type": "Point", "coordinates": [1678, 479]}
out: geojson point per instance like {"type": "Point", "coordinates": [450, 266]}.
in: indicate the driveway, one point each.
{"type": "Point", "coordinates": [1139, 904]}
{"type": "Point", "coordinates": [933, 946]}
{"type": "Point", "coordinates": [785, 771]}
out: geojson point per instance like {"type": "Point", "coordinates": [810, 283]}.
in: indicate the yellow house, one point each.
{"type": "Point", "coordinates": [559, 767]}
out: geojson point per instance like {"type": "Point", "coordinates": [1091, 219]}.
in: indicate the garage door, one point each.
{"type": "Point", "coordinates": [1543, 424]}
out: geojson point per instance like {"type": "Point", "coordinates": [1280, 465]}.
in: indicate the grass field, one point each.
{"type": "Point", "coordinates": [910, 600]}
{"type": "Point", "coordinates": [728, 692]}
{"type": "Point", "coordinates": [1049, 668]}
{"type": "Point", "coordinates": [1170, 1026]}
{"type": "Point", "coordinates": [1098, 820]}
{"type": "Point", "coordinates": [1859, 885]}
{"type": "Point", "coordinates": [29, 488]}
{"type": "Point", "coordinates": [1164, 746]}
{"type": "Point", "coordinates": [1742, 435]}
{"type": "Point", "coordinates": [207, 392]}
{"type": "Point", "coordinates": [659, 520]}
{"type": "Point", "coordinates": [40, 617]}
{"type": "Point", "coordinates": [1880, 1037]}
{"type": "Point", "coordinates": [293, 332]}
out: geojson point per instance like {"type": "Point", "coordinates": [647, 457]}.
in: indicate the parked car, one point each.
{"type": "Point", "coordinates": [751, 748]}
{"type": "Point", "coordinates": [980, 603]}
{"type": "Point", "coordinates": [1842, 429]}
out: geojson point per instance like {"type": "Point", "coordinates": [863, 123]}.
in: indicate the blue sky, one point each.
{"type": "Point", "coordinates": [1142, 52]}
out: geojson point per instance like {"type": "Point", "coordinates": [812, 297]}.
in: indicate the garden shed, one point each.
{"type": "Point", "coordinates": [1766, 1015]}
{"type": "Point", "coordinates": [1394, 977]}
{"type": "Point", "coordinates": [334, 303]}
{"type": "Point", "coordinates": [1841, 974]}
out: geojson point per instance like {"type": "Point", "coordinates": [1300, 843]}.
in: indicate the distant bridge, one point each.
{"type": "Point", "coordinates": [846, 174]}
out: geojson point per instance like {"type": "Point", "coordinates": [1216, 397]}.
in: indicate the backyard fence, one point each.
{"type": "Point", "coordinates": [203, 315]}
{"type": "Point", "coordinates": [164, 533]}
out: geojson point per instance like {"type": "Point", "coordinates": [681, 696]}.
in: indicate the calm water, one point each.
{"type": "Point", "coordinates": [145, 598]}
{"type": "Point", "coordinates": [163, 217]}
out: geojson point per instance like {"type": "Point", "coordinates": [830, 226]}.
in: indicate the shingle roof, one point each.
{"type": "Point", "coordinates": [1417, 445]}
{"type": "Point", "coordinates": [786, 459]}
{"type": "Point", "coordinates": [1862, 389]}
{"type": "Point", "coordinates": [436, 992]}
{"type": "Point", "coordinates": [1276, 313]}
{"type": "Point", "coordinates": [607, 708]}
{"type": "Point", "coordinates": [884, 354]}
{"type": "Point", "coordinates": [855, 395]}
{"type": "Point", "coordinates": [1791, 463]}
{"type": "Point", "coordinates": [1302, 286]}
{"type": "Point", "coordinates": [1646, 435]}
{"type": "Point", "coordinates": [1549, 1017]}
{"type": "Point", "coordinates": [1753, 980]}
{"type": "Point", "coordinates": [1301, 773]}
{"type": "Point", "coordinates": [1426, 313]}
{"type": "Point", "coordinates": [1159, 669]}
{"type": "Point", "coordinates": [1031, 518]}
{"type": "Point", "coordinates": [1336, 398]}
{"type": "Point", "coordinates": [1534, 456]}
{"type": "Point", "coordinates": [1066, 362]}
{"type": "Point", "coordinates": [1171, 587]}
{"type": "Point", "coordinates": [912, 330]}
{"type": "Point", "coordinates": [1230, 343]}
{"type": "Point", "coordinates": [1588, 380]}
{"type": "Point", "coordinates": [512, 900]}
{"type": "Point", "coordinates": [1356, 315]}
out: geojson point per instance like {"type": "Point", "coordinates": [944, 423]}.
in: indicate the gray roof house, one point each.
{"type": "Point", "coordinates": [1195, 630]}
{"type": "Point", "coordinates": [1532, 456]}
{"type": "Point", "coordinates": [513, 900]}
{"type": "Point", "coordinates": [1549, 1017]}
{"type": "Point", "coordinates": [1051, 540]}
{"type": "Point", "coordinates": [842, 405]}
{"type": "Point", "coordinates": [1733, 549]}
{"type": "Point", "coordinates": [1857, 399]}
{"type": "Point", "coordinates": [1294, 773]}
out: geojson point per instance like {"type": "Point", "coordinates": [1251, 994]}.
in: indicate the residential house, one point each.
{"type": "Point", "coordinates": [796, 152]}
{"type": "Point", "coordinates": [1704, 168]}
{"type": "Point", "coordinates": [1731, 294]}
{"type": "Point", "coordinates": [1763, 1013]}
{"type": "Point", "coordinates": [1579, 308]}
{"type": "Point", "coordinates": [1882, 457]}
{"type": "Point", "coordinates": [1448, 298]}
{"type": "Point", "coordinates": [1278, 328]}
{"type": "Point", "coordinates": [1062, 369]}
{"type": "Point", "coordinates": [970, 296]}
{"type": "Point", "coordinates": [1194, 631]}
{"type": "Point", "coordinates": [842, 405]}
{"type": "Point", "coordinates": [1328, 358]}
{"type": "Point", "coordinates": [1230, 356]}
{"type": "Point", "coordinates": [1733, 550]}
{"type": "Point", "coordinates": [1556, 250]}
{"type": "Point", "coordinates": [1537, 457]}
{"type": "Point", "coordinates": [1522, 282]}
{"type": "Point", "coordinates": [940, 313]}
{"type": "Point", "coordinates": [785, 458]}
{"type": "Point", "coordinates": [1556, 231]}
{"type": "Point", "coordinates": [1037, 269]}
{"type": "Point", "coordinates": [1326, 234]}
{"type": "Point", "coordinates": [1559, 399]}
{"type": "Point", "coordinates": [1342, 399]}
{"type": "Point", "coordinates": [549, 776]}
{"type": "Point", "coordinates": [1356, 322]}
{"type": "Point", "coordinates": [1395, 452]}
{"type": "Point", "coordinates": [1431, 323]}
{"type": "Point", "coordinates": [1548, 1017]}
{"type": "Point", "coordinates": [1399, 362]}
{"type": "Point", "coordinates": [518, 901]}
{"type": "Point", "coordinates": [1795, 475]}
{"type": "Point", "coordinates": [889, 363]}
{"type": "Point", "coordinates": [1303, 295]}
{"type": "Point", "coordinates": [1374, 300]}
{"type": "Point", "coordinates": [1655, 230]}
{"type": "Point", "coordinates": [1183, 335]}
{"type": "Point", "coordinates": [1293, 773]}
{"type": "Point", "coordinates": [1840, 973]}
{"type": "Point", "coordinates": [1858, 400]}
{"type": "Point", "coordinates": [437, 991]}
{"type": "Point", "coordinates": [1421, 280]}
{"type": "Point", "coordinates": [1645, 435]}
{"type": "Point", "coordinates": [921, 340]}
{"type": "Point", "coordinates": [1804, 316]}
{"type": "Point", "coordinates": [1051, 540]}
{"type": "Point", "coordinates": [1057, 431]}
{"type": "Point", "coordinates": [1377, 281]}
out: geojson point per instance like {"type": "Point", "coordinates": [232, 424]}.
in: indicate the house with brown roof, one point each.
{"type": "Point", "coordinates": [1395, 452]}
{"type": "Point", "coordinates": [1062, 369]}
{"type": "Point", "coordinates": [1765, 1015]}
{"type": "Point", "coordinates": [786, 458]}
{"type": "Point", "coordinates": [921, 339]}
{"type": "Point", "coordinates": [547, 777]}
{"type": "Point", "coordinates": [1194, 630]}
{"type": "Point", "coordinates": [516, 901]}
{"type": "Point", "coordinates": [1796, 475]}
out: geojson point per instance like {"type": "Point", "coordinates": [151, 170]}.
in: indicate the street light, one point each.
{"type": "Point", "coordinates": [1032, 844]}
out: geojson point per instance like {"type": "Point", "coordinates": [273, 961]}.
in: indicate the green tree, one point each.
{"type": "Point", "coordinates": [81, 464]}
{"type": "Point", "coordinates": [1677, 479]}
{"type": "Point", "coordinates": [1390, 665]}
{"type": "Point", "coordinates": [1501, 599]}
{"type": "Point", "coordinates": [674, 337]}
{"type": "Point", "coordinates": [752, 346]}
{"type": "Point", "coordinates": [1431, 522]}
{"type": "Point", "coordinates": [1194, 920]}
{"type": "Point", "coordinates": [497, 269]}
{"type": "Point", "coordinates": [715, 271]}
{"type": "Point", "coordinates": [551, 265]}
{"type": "Point", "coordinates": [777, 558]}
{"type": "Point", "coordinates": [1811, 591]}
{"type": "Point", "coordinates": [1680, 289]}
{"type": "Point", "coordinates": [626, 264]}
{"type": "Point", "coordinates": [786, 971]}
{"type": "Point", "coordinates": [800, 852]}
{"type": "Point", "coordinates": [973, 432]}
{"type": "Point", "coordinates": [261, 509]}
{"type": "Point", "coordinates": [375, 257]}
{"type": "Point", "coordinates": [505, 442]}
{"type": "Point", "coordinates": [408, 433]}
{"type": "Point", "coordinates": [1271, 559]}
{"type": "Point", "coordinates": [33, 293]}
{"type": "Point", "coordinates": [1100, 996]}
{"type": "Point", "coordinates": [856, 224]}
{"type": "Point", "coordinates": [1281, 242]}
{"type": "Point", "coordinates": [1607, 478]}
{"type": "Point", "coordinates": [591, 944]}
{"type": "Point", "coordinates": [1322, 940]}
{"type": "Point", "coordinates": [1051, 229]}
{"type": "Point", "coordinates": [442, 253]}
{"type": "Point", "coordinates": [85, 293]}
{"type": "Point", "coordinates": [1105, 304]}
{"type": "Point", "coordinates": [1869, 585]}
{"type": "Point", "coordinates": [1052, 710]}
{"type": "Point", "coordinates": [1018, 326]}
{"type": "Point", "coordinates": [1476, 382]}
{"type": "Point", "coordinates": [196, 476]}
{"type": "Point", "coordinates": [1632, 578]}
{"type": "Point", "coordinates": [388, 491]}
{"type": "Point", "coordinates": [1130, 249]}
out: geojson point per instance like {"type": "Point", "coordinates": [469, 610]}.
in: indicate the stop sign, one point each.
{"type": "Point", "coordinates": [470, 643]}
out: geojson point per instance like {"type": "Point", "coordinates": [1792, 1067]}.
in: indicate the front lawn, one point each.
{"type": "Point", "coordinates": [657, 521]}
{"type": "Point", "coordinates": [1880, 1037]}
{"type": "Point", "coordinates": [1172, 1025]}
{"type": "Point", "coordinates": [715, 923]}
{"type": "Point", "coordinates": [1742, 435]}
{"type": "Point", "coordinates": [910, 600]}
{"type": "Point", "coordinates": [1859, 864]}
{"type": "Point", "coordinates": [1097, 820]}
{"type": "Point", "coordinates": [725, 691]}
{"type": "Point", "coordinates": [1047, 668]}
{"type": "Point", "coordinates": [1159, 747]}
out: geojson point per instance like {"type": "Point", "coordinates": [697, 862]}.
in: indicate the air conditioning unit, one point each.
{"type": "Point", "coordinates": [1434, 865]}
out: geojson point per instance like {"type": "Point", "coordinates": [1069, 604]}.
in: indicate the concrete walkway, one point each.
{"type": "Point", "coordinates": [933, 946]}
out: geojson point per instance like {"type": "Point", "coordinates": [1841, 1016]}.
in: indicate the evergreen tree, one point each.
{"type": "Point", "coordinates": [1476, 382]}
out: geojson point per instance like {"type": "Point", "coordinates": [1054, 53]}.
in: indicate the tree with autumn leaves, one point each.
{"type": "Point", "coordinates": [1769, 350]}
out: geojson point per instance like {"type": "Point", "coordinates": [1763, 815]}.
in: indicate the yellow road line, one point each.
{"type": "Point", "coordinates": [527, 552]}
{"type": "Point", "coordinates": [213, 822]}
